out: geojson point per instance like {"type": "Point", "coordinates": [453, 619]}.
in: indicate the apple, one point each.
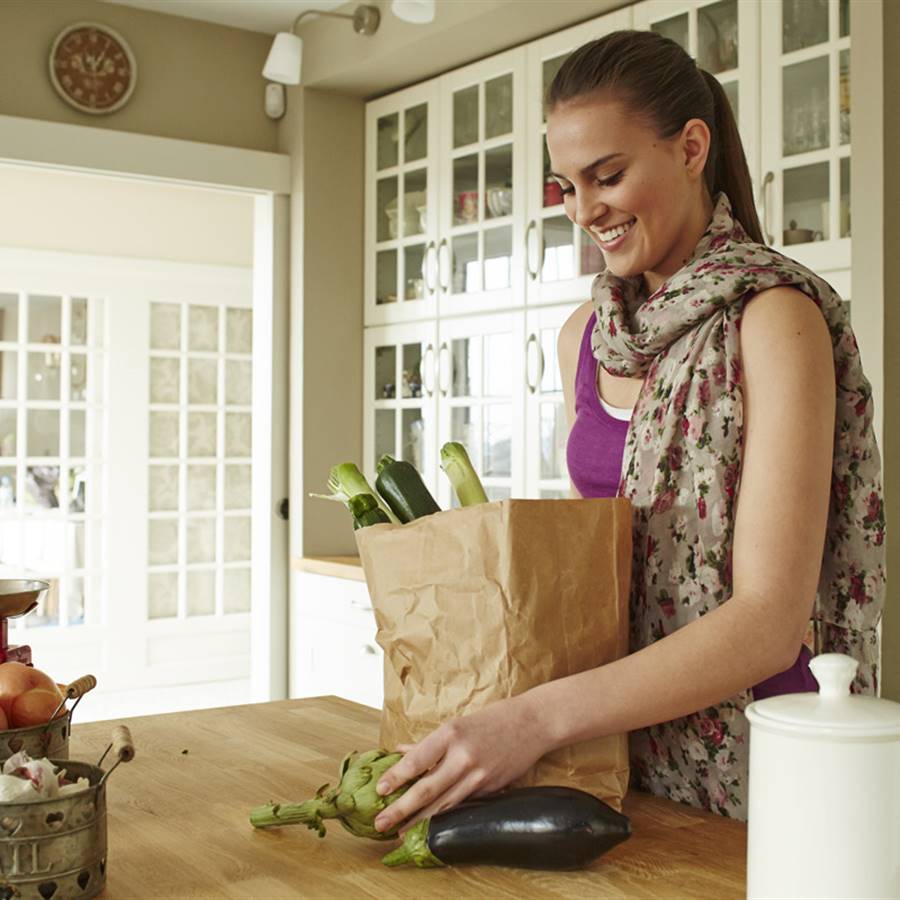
{"type": "Point", "coordinates": [16, 678]}
{"type": "Point", "coordinates": [35, 707]}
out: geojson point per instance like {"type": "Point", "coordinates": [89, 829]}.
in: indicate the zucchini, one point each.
{"type": "Point", "coordinates": [366, 511]}
{"type": "Point", "coordinates": [402, 488]}
{"type": "Point", "coordinates": [530, 828]}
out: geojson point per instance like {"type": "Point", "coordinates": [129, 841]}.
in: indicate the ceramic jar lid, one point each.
{"type": "Point", "coordinates": [833, 712]}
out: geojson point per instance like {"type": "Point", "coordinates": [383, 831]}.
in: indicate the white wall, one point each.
{"type": "Point", "coordinates": [41, 209]}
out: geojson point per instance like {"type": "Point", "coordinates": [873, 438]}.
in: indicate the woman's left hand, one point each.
{"type": "Point", "coordinates": [470, 756]}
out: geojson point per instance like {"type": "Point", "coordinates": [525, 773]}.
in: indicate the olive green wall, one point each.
{"type": "Point", "coordinates": [196, 81]}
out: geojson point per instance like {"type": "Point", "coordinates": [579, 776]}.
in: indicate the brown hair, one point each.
{"type": "Point", "coordinates": [656, 79]}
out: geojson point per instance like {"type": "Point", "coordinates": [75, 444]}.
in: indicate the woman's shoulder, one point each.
{"type": "Point", "coordinates": [572, 330]}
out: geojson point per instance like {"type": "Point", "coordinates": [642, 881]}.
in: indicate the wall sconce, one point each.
{"type": "Point", "coordinates": [419, 12]}
{"type": "Point", "coordinates": [285, 57]}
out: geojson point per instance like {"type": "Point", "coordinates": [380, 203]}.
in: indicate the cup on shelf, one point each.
{"type": "Point", "coordinates": [499, 201]}
{"type": "Point", "coordinates": [467, 206]}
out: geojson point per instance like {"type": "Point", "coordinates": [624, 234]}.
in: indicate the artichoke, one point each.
{"type": "Point", "coordinates": [354, 802]}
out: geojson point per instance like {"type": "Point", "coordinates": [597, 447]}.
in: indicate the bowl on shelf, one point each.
{"type": "Point", "coordinates": [423, 216]}
{"type": "Point", "coordinates": [499, 201]}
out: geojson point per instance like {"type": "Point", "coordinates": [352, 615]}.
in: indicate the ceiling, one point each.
{"type": "Point", "coordinates": [268, 16]}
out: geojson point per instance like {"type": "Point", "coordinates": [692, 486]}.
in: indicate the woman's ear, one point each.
{"type": "Point", "coordinates": [695, 140]}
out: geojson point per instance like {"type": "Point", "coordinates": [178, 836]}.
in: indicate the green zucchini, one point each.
{"type": "Point", "coordinates": [366, 511]}
{"type": "Point", "coordinates": [402, 488]}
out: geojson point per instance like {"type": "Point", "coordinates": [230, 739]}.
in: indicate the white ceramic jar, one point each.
{"type": "Point", "coordinates": [824, 792]}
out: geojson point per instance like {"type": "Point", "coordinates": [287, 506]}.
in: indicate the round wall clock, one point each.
{"type": "Point", "coordinates": [92, 68]}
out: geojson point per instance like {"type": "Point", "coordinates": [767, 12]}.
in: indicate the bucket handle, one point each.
{"type": "Point", "coordinates": [122, 747]}
{"type": "Point", "coordinates": [74, 691]}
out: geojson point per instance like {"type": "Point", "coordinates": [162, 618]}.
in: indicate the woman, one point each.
{"type": "Point", "coordinates": [717, 385]}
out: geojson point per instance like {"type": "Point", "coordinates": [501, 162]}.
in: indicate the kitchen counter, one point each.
{"type": "Point", "coordinates": [178, 820]}
{"type": "Point", "coordinates": [335, 566]}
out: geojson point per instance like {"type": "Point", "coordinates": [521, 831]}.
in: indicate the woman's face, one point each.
{"type": "Point", "coordinates": [641, 199]}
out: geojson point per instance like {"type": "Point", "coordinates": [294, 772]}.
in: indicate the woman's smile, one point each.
{"type": "Point", "coordinates": [610, 239]}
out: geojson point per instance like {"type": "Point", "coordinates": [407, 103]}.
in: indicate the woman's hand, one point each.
{"type": "Point", "coordinates": [473, 755]}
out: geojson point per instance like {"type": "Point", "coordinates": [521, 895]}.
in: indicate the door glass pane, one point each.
{"type": "Point", "coordinates": [498, 106]}
{"type": "Point", "coordinates": [806, 204]}
{"type": "Point", "coordinates": [44, 319]}
{"type": "Point", "coordinates": [201, 540]}
{"type": "Point", "coordinates": [203, 328]}
{"type": "Point", "coordinates": [162, 595]}
{"type": "Point", "coordinates": [845, 18]}
{"type": "Point", "coordinates": [411, 381]}
{"type": "Point", "coordinates": [9, 317]}
{"type": "Point", "coordinates": [43, 432]}
{"type": "Point", "coordinates": [413, 258]}
{"type": "Point", "coordinates": [497, 365]}
{"type": "Point", "coordinates": [592, 260]}
{"type": "Point", "coordinates": [163, 488]}
{"type": "Point", "coordinates": [550, 68]}
{"type": "Point", "coordinates": [717, 36]}
{"type": "Point", "coordinates": [805, 116]}
{"type": "Point", "coordinates": [845, 197]}
{"type": "Point", "coordinates": [238, 382]}
{"type": "Point", "coordinates": [498, 165]}
{"type": "Point", "coordinates": [165, 326]}
{"type": "Point", "coordinates": [237, 590]}
{"type": "Point", "coordinates": [201, 434]}
{"type": "Point", "coordinates": [465, 189]}
{"type": "Point", "coordinates": [413, 437]}
{"type": "Point", "coordinates": [416, 127]}
{"type": "Point", "coordinates": [559, 249]}
{"type": "Point", "coordinates": [238, 434]}
{"type": "Point", "coordinates": [162, 537]}
{"type": "Point", "coordinates": [237, 487]}
{"type": "Point", "coordinates": [203, 381]}
{"type": "Point", "coordinates": [43, 376]}
{"type": "Point", "coordinates": [497, 258]}
{"type": "Point", "coordinates": [731, 92]}
{"type": "Point", "coordinates": [384, 434]}
{"type": "Point", "coordinates": [675, 28]}
{"type": "Point", "coordinates": [163, 434]}
{"type": "Point", "coordinates": [385, 373]}
{"type": "Point", "coordinates": [388, 128]}
{"type": "Point", "coordinates": [201, 488]}
{"type": "Point", "coordinates": [465, 116]}
{"type": "Point", "coordinates": [466, 270]}
{"type": "Point", "coordinates": [497, 432]}
{"type": "Point", "coordinates": [844, 96]}
{"type": "Point", "coordinates": [164, 380]}
{"type": "Point", "coordinates": [386, 276]}
{"type": "Point", "coordinates": [386, 225]}
{"type": "Point", "coordinates": [553, 440]}
{"type": "Point", "coordinates": [804, 23]}
{"type": "Point", "coordinates": [237, 539]}
{"type": "Point", "coordinates": [238, 330]}
{"type": "Point", "coordinates": [201, 593]}
{"type": "Point", "coordinates": [464, 364]}
{"type": "Point", "coordinates": [7, 432]}
{"type": "Point", "coordinates": [415, 184]}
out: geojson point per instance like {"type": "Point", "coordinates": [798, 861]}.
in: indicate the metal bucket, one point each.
{"type": "Point", "coordinates": [57, 848]}
{"type": "Point", "coordinates": [52, 739]}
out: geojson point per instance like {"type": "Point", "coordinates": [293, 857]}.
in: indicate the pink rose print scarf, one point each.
{"type": "Point", "coordinates": [682, 472]}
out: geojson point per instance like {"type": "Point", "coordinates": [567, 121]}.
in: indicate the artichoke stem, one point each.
{"type": "Point", "coordinates": [309, 813]}
{"type": "Point", "coordinates": [414, 849]}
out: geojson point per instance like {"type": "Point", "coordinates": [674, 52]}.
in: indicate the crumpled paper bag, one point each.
{"type": "Point", "coordinates": [484, 602]}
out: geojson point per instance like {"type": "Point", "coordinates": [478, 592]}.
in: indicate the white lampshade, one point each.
{"type": "Point", "coordinates": [418, 11]}
{"type": "Point", "coordinates": [283, 62]}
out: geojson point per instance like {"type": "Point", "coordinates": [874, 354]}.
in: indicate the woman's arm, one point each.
{"type": "Point", "coordinates": [780, 519]}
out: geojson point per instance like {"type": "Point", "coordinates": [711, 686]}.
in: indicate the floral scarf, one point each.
{"type": "Point", "coordinates": [682, 472]}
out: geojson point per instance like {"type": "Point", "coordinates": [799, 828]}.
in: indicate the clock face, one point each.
{"type": "Point", "coordinates": [92, 68]}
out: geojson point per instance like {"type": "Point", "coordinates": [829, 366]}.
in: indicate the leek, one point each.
{"type": "Point", "coordinates": [459, 469]}
{"type": "Point", "coordinates": [346, 481]}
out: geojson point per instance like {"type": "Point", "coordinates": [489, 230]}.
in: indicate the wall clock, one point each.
{"type": "Point", "coordinates": [92, 68]}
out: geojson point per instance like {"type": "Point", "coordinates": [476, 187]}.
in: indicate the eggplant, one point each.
{"type": "Point", "coordinates": [529, 828]}
{"type": "Point", "coordinates": [401, 486]}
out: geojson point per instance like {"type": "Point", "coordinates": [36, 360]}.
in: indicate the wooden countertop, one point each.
{"type": "Point", "coordinates": [335, 566]}
{"type": "Point", "coordinates": [178, 820]}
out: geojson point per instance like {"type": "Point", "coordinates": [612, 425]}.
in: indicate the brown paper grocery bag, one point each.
{"type": "Point", "coordinates": [485, 602]}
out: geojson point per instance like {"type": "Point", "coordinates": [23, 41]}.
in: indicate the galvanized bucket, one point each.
{"type": "Point", "coordinates": [57, 848]}
{"type": "Point", "coordinates": [52, 739]}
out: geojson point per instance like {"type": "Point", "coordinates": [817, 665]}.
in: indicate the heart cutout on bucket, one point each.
{"type": "Point", "coordinates": [54, 820]}
{"type": "Point", "coordinates": [47, 889]}
{"type": "Point", "coordinates": [83, 879]}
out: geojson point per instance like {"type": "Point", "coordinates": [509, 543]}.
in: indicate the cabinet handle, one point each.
{"type": "Point", "coordinates": [429, 351]}
{"type": "Point", "coordinates": [443, 245]}
{"type": "Point", "coordinates": [533, 340]}
{"type": "Point", "coordinates": [440, 367]}
{"type": "Point", "coordinates": [427, 270]}
{"type": "Point", "coordinates": [532, 226]}
{"type": "Point", "coordinates": [764, 192]}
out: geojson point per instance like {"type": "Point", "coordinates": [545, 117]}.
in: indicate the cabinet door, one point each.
{"type": "Point", "coordinates": [400, 397]}
{"type": "Point", "coordinates": [481, 399]}
{"type": "Point", "coordinates": [806, 130]}
{"type": "Point", "coordinates": [482, 165]}
{"type": "Point", "coordinates": [546, 428]}
{"type": "Point", "coordinates": [561, 260]}
{"type": "Point", "coordinates": [401, 206]}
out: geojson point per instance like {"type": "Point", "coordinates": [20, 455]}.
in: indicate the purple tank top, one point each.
{"type": "Point", "coordinates": [594, 455]}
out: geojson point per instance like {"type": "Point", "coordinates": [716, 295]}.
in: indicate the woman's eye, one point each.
{"type": "Point", "coordinates": [609, 182]}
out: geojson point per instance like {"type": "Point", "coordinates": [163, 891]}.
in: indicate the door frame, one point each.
{"type": "Point", "coordinates": [267, 176]}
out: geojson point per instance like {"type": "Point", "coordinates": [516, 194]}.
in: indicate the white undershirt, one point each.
{"type": "Point", "coordinates": [617, 412]}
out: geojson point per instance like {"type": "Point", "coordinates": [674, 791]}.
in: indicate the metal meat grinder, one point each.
{"type": "Point", "coordinates": [18, 597]}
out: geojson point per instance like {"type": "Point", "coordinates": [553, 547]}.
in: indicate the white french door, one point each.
{"type": "Point", "coordinates": [128, 471]}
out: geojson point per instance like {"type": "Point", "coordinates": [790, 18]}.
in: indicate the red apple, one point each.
{"type": "Point", "coordinates": [16, 678]}
{"type": "Point", "coordinates": [35, 707]}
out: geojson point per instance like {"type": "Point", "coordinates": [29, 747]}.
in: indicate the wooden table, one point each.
{"type": "Point", "coordinates": [178, 820]}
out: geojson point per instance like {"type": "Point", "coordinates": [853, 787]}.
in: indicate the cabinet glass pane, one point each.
{"type": "Point", "coordinates": [804, 23]}
{"type": "Point", "coordinates": [497, 432]}
{"type": "Point", "coordinates": [386, 214]}
{"type": "Point", "coordinates": [731, 92]}
{"type": "Point", "coordinates": [386, 276]}
{"type": "Point", "coordinates": [844, 96]}
{"type": "Point", "coordinates": [8, 433]}
{"type": "Point", "coordinates": [498, 106]}
{"type": "Point", "coordinates": [413, 258]}
{"type": "Point", "coordinates": [416, 122]}
{"type": "Point", "coordinates": [497, 258]}
{"type": "Point", "coordinates": [384, 434]}
{"type": "Point", "coordinates": [411, 380]}
{"type": "Point", "coordinates": [806, 204]}
{"type": "Point", "coordinates": [559, 249]}
{"type": "Point", "coordinates": [717, 36]}
{"type": "Point", "coordinates": [466, 270]}
{"type": "Point", "coordinates": [498, 165]}
{"type": "Point", "coordinates": [675, 28]}
{"type": "Point", "coordinates": [497, 365]}
{"type": "Point", "coordinates": [592, 260]}
{"type": "Point", "coordinates": [415, 185]}
{"type": "Point", "coordinates": [413, 437]}
{"type": "Point", "coordinates": [44, 319]}
{"type": "Point", "coordinates": [388, 129]}
{"type": "Point", "coordinates": [77, 433]}
{"type": "Point", "coordinates": [465, 116]}
{"type": "Point", "coordinates": [550, 379]}
{"type": "Point", "coordinates": [9, 317]}
{"type": "Point", "coordinates": [546, 494]}
{"type": "Point", "coordinates": [845, 197]}
{"type": "Point", "coordinates": [496, 492]}
{"type": "Point", "coordinates": [43, 376]}
{"type": "Point", "coordinates": [9, 371]}
{"type": "Point", "coordinates": [550, 68]}
{"type": "Point", "coordinates": [462, 429]}
{"type": "Point", "coordinates": [464, 365]}
{"type": "Point", "coordinates": [43, 433]}
{"type": "Point", "coordinates": [805, 115]}
{"type": "Point", "coordinates": [385, 373]}
{"type": "Point", "coordinates": [553, 195]}
{"type": "Point", "coordinates": [845, 18]}
{"type": "Point", "coordinates": [553, 440]}
{"type": "Point", "coordinates": [465, 189]}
